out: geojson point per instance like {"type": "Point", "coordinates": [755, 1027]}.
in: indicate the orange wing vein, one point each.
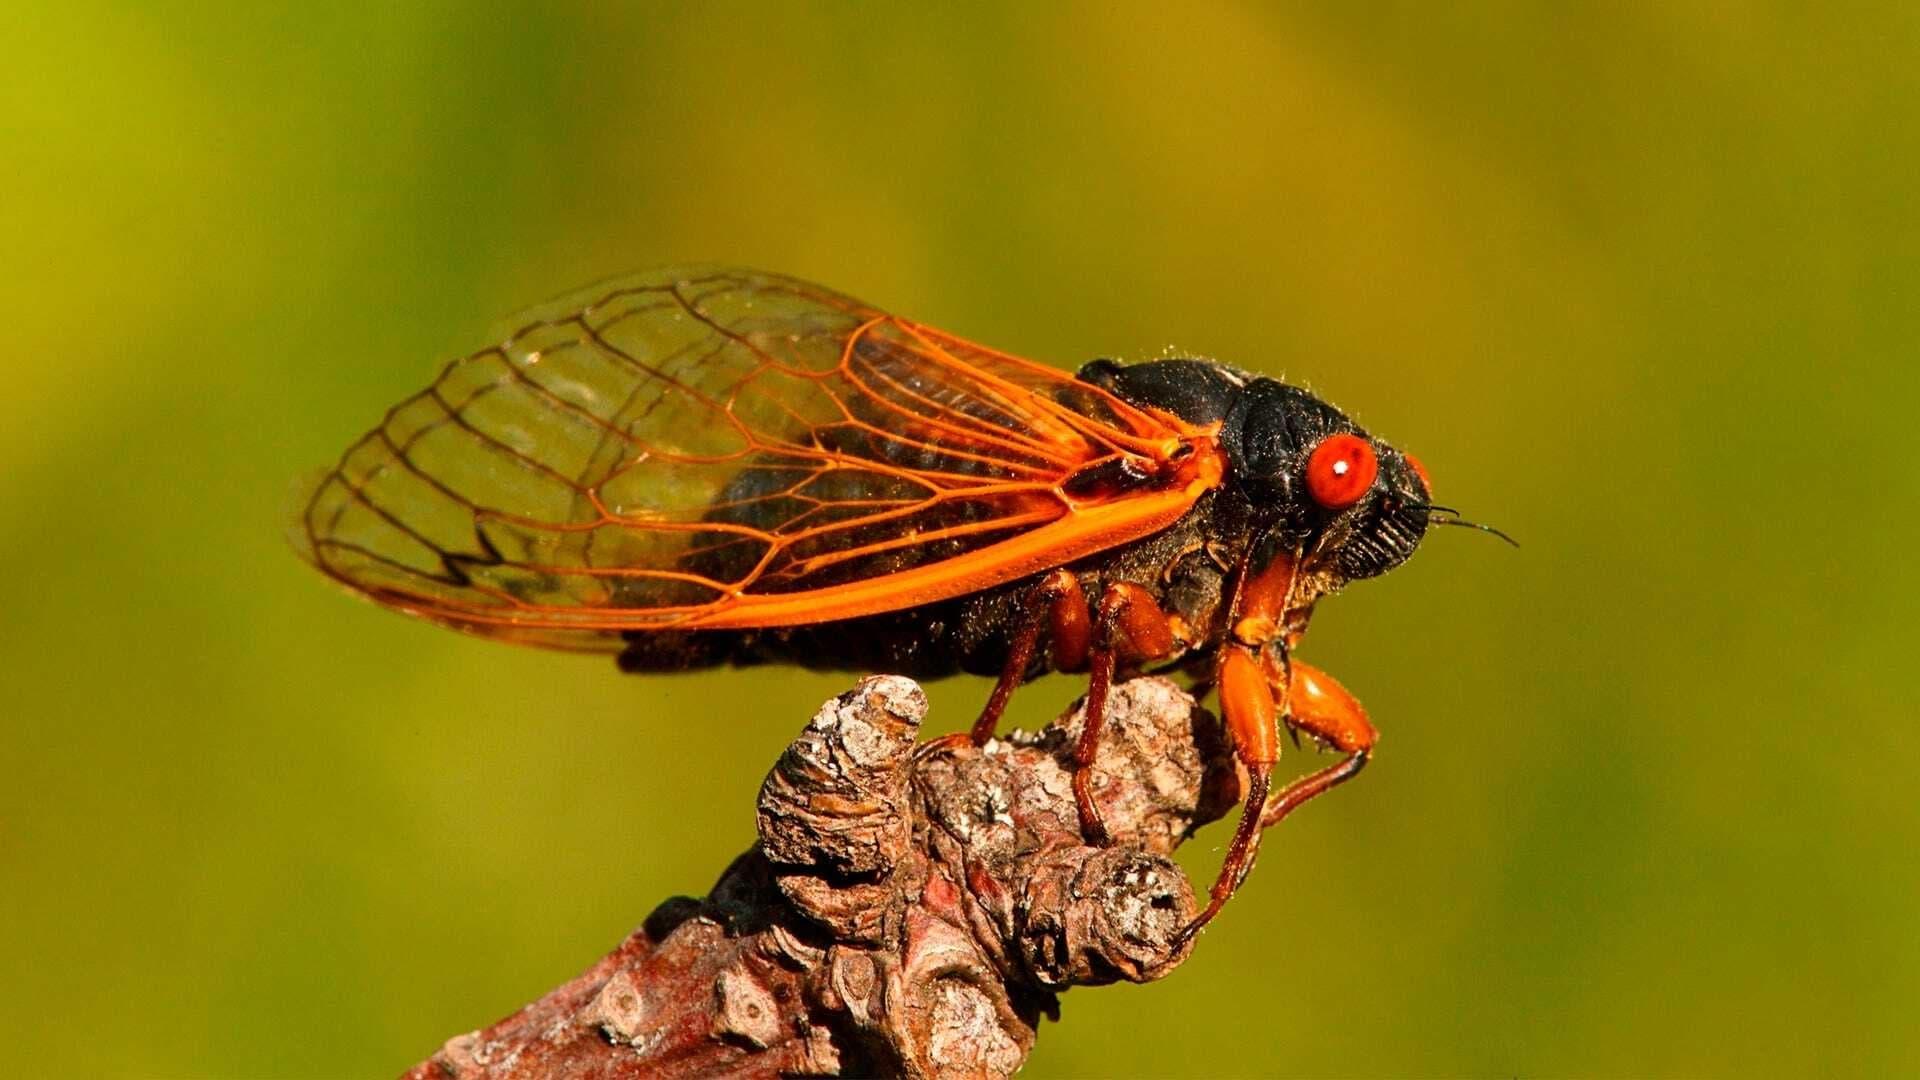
{"type": "Point", "coordinates": [713, 448]}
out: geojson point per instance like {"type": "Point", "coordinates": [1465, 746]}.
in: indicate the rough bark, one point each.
{"type": "Point", "coordinates": [907, 911]}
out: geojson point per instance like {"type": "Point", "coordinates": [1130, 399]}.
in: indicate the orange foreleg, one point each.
{"type": "Point", "coordinates": [1251, 708]}
{"type": "Point", "coordinates": [1261, 686]}
{"type": "Point", "coordinates": [1321, 707]}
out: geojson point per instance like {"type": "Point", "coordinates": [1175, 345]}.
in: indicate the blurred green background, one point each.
{"type": "Point", "coordinates": [1641, 286]}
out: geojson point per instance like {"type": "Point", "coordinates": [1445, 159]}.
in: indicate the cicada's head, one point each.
{"type": "Point", "coordinates": [1352, 505]}
{"type": "Point", "coordinates": [1349, 505]}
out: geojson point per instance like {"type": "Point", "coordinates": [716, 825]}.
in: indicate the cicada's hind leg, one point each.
{"type": "Point", "coordinates": [1127, 625]}
{"type": "Point", "coordinates": [1055, 606]}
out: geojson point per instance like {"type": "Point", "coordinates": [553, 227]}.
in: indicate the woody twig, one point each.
{"type": "Point", "coordinates": [909, 909]}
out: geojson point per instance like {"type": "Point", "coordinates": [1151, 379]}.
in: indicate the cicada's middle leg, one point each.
{"type": "Point", "coordinates": [1128, 627]}
{"type": "Point", "coordinates": [1125, 627]}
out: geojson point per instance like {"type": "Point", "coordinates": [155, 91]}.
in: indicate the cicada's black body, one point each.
{"type": "Point", "coordinates": [1263, 508]}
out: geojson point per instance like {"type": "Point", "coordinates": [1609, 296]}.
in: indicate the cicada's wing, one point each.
{"type": "Point", "coordinates": [724, 448]}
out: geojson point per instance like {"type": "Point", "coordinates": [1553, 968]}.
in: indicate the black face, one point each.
{"type": "Point", "coordinates": [1381, 531]}
{"type": "Point", "coordinates": [1356, 506]}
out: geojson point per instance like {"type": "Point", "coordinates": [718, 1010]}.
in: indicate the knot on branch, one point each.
{"type": "Point", "coordinates": [910, 909]}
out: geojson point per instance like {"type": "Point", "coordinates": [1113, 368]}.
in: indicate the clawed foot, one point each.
{"type": "Point", "coordinates": [1091, 827]}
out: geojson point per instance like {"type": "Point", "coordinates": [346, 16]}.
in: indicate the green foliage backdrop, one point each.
{"type": "Point", "coordinates": [1638, 284]}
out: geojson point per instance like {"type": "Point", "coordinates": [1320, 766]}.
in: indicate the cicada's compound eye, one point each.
{"type": "Point", "coordinates": [1420, 471]}
{"type": "Point", "coordinates": [1341, 470]}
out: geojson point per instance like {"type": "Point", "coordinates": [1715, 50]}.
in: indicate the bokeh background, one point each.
{"type": "Point", "coordinates": [1641, 285]}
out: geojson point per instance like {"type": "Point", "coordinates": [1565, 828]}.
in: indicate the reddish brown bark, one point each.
{"type": "Point", "coordinates": [906, 911]}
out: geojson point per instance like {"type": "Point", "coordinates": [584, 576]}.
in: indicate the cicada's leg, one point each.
{"type": "Point", "coordinates": [1324, 709]}
{"type": "Point", "coordinates": [1252, 694]}
{"type": "Point", "coordinates": [1248, 701]}
{"type": "Point", "coordinates": [1055, 605]}
{"type": "Point", "coordinates": [1128, 624]}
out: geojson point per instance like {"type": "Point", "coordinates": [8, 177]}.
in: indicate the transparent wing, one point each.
{"type": "Point", "coordinates": [711, 447]}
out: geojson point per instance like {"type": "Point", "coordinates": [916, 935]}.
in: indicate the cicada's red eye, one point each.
{"type": "Point", "coordinates": [1340, 471]}
{"type": "Point", "coordinates": [1419, 470]}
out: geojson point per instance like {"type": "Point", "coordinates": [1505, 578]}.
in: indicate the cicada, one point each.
{"type": "Point", "coordinates": [706, 466]}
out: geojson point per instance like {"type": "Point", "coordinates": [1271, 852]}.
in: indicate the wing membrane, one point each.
{"type": "Point", "coordinates": [724, 448]}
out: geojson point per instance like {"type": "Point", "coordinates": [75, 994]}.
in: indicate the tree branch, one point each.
{"type": "Point", "coordinates": [905, 912]}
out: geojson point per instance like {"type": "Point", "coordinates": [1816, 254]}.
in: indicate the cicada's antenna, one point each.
{"type": "Point", "coordinates": [1447, 515]}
